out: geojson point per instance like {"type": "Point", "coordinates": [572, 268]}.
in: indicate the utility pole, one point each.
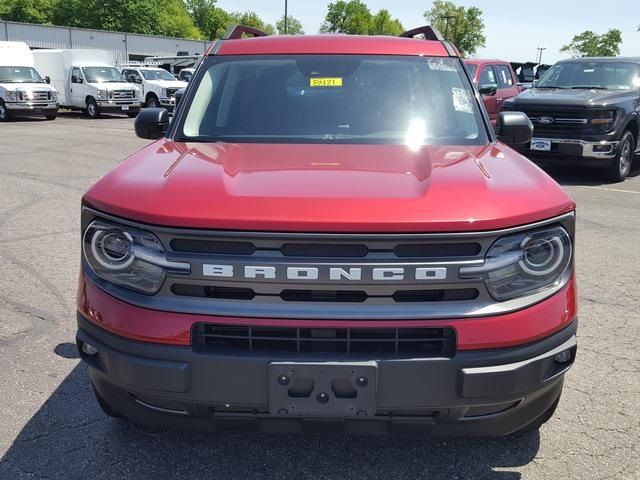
{"type": "Point", "coordinates": [286, 20]}
{"type": "Point", "coordinates": [540, 50]}
{"type": "Point", "coordinates": [446, 26]}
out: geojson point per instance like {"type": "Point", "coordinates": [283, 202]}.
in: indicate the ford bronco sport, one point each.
{"type": "Point", "coordinates": [329, 237]}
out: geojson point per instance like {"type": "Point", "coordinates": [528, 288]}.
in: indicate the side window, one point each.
{"type": "Point", "coordinates": [505, 80]}
{"type": "Point", "coordinates": [76, 75]}
{"type": "Point", "coordinates": [487, 76]}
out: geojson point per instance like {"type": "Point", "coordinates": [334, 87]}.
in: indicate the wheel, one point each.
{"type": "Point", "coordinates": [542, 419]}
{"type": "Point", "coordinates": [132, 114]}
{"type": "Point", "coordinates": [621, 165]}
{"type": "Point", "coordinates": [51, 117]}
{"type": "Point", "coordinates": [4, 113]}
{"type": "Point", "coordinates": [106, 408]}
{"type": "Point", "coordinates": [92, 108]}
{"type": "Point", "coordinates": [152, 102]}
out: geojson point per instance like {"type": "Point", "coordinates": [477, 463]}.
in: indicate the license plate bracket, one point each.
{"type": "Point", "coordinates": [125, 107]}
{"type": "Point", "coordinates": [331, 389]}
{"type": "Point", "coordinates": [540, 145]}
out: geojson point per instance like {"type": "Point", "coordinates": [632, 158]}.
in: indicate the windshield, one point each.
{"type": "Point", "coordinates": [334, 99]}
{"type": "Point", "coordinates": [102, 75]}
{"type": "Point", "coordinates": [19, 75]}
{"type": "Point", "coordinates": [157, 74]}
{"type": "Point", "coordinates": [473, 68]}
{"type": "Point", "coordinates": [592, 75]}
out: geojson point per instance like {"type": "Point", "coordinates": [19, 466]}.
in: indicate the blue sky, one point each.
{"type": "Point", "coordinates": [514, 29]}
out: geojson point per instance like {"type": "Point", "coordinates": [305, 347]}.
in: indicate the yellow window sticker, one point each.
{"type": "Point", "coordinates": [325, 82]}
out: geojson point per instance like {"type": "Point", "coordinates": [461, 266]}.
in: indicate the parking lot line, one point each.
{"type": "Point", "coordinates": [619, 190]}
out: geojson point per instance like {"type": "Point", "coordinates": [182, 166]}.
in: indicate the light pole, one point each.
{"type": "Point", "coordinates": [540, 50]}
{"type": "Point", "coordinates": [286, 21]}
{"type": "Point", "coordinates": [446, 26]}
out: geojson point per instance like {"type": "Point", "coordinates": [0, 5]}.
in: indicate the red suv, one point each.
{"type": "Point", "coordinates": [329, 236]}
{"type": "Point", "coordinates": [496, 82]}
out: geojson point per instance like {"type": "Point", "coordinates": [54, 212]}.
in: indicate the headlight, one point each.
{"type": "Point", "coordinates": [54, 95]}
{"type": "Point", "coordinates": [127, 257]}
{"type": "Point", "coordinates": [12, 96]}
{"type": "Point", "coordinates": [102, 94]}
{"type": "Point", "coordinates": [604, 118]}
{"type": "Point", "coordinates": [524, 263]}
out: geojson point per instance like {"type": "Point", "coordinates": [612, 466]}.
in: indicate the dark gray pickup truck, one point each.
{"type": "Point", "coordinates": [585, 111]}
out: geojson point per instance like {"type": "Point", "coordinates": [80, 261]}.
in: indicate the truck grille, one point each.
{"type": "Point", "coordinates": [414, 342]}
{"type": "Point", "coordinates": [171, 91]}
{"type": "Point", "coordinates": [560, 120]}
{"type": "Point", "coordinates": [35, 95]}
{"type": "Point", "coordinates": [122, 94]}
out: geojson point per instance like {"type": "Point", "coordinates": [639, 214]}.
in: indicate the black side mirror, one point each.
{"type": "Point", "coordinates": [514, 128]}
{"type": "Point", "coordinates": [47, 79]}
{"type": "Point", "coordinates": [76, 80]}
{"type": "Point", "coordinates": [152, 123]}
{"type": "Point", "coordinates": [138, 80]}
{"type": "Point", "coordinates": [490, 90]}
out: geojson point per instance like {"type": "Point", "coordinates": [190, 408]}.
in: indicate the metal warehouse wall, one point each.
{"type": "Point", "coordinates": [124, 45]}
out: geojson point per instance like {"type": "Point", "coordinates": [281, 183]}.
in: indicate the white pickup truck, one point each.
{"type": "Point", "coordinates": [158, 86]}
{"type": "Point", "coordinates": [88, 80]}
{"type": "Point", "coordinates": [22, 90]}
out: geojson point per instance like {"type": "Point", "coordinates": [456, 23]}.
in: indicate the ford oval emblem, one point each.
{"type": "Point", "coordinates": [546, 120]}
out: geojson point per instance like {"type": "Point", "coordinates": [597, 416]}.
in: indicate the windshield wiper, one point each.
{"type": "Point", "coordinates": [550, 86]}
{"type": "Point", "coordinates": [588, 87]}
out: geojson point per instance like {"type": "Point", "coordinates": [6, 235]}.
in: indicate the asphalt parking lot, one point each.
{"type": "Point", "coordinates": [51, 427]}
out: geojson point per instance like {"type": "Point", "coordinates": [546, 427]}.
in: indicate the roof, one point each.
{"type": "Point", "coordinates": [479, 61]}
{"type": "Point", "coordinates": [602, 59]}
{"type": "Point", "coordinates": [332, 44]}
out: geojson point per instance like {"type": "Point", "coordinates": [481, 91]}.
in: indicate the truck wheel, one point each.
{"type": "Point", "coordinates": [51, 117]}
{"type": "Point", "coordinates": [92, 108]}
{"type": "Point", "coordinates": [4, 113]}
{"type": "Point", "coordinates": [621, 165]}
{"type": "Point", "coordinates": [152, 102]}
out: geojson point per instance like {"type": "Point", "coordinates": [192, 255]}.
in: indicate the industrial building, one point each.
{"type": "Point", "coordinates": [125, 46]}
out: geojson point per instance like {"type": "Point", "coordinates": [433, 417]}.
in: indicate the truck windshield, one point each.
{"type": "Point", "coordinates": [157, 74]}
{"type": "Point", "coordinates": [19, 75]}
{"type": "Point", "coordinates": [102, 75]}
{"type": "Point", "coordinates": [592, 75]}
{"type": "Point", "coordinates": [334, 99]}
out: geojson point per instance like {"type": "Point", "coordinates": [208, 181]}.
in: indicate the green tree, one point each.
{"type": "Point", "coordinates": [30, 11]}
{"type": "Point", "coordinates": [464, 27]}
{"type": "Point", "coordinates": [135, 16]}
{"type": "Point", "coordinates": [351, 17]}
{"type": "Point", "coordinates": [294, 27]}
{"type": "Point", "coordinates": [175, 21]}
{"type": "Point", "coordinates": [590, 44]}
{"type": "Point", "coordinates": [210, 19]}
{"type": "Point", "coordinates": [252, 19]}
{"type": "Point", "coordinates": [382, 23]}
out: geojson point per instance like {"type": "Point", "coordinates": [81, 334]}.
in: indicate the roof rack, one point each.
{"type": "Point", "coordinates": [236, 31]}
{"type": "Point", "coordinates": [429, 32]}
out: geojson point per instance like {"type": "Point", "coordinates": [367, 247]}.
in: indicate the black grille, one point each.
{"type": "Point", "coordinates": [334, 296]}
{"type": "Point", "coordinates": [415, 342]}
{"type": "Point", "coordinates": [171, 91]}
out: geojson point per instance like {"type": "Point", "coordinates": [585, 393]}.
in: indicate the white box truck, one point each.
{"type": "Point", "coordinates": [88, 80]}
{"type": "Point", "coordinates": [22, 90]}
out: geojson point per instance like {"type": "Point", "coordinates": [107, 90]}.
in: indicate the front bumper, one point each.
{"type": "Point", "coordinates": [119, 105]}
{"type": "Point", "coordinates": [31, 107]}
{"type": "Point", "coordinates": [592, 150]}
{"type": "Point", "coordinates": [168, 103]}
{"type": "Point", "coordinates": [479, 393]}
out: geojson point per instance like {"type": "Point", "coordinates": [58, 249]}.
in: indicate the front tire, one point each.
{"type": "Point", "coordinates": [621, 166]}
{"type": "Point", "coordinates": [4, 112]}
{"type": "Point", "coordinates": [53, 116]}
{"type": "Point", "coordinates": [93, 111]}
{"type": "Point", "coordinates": [152, 102]}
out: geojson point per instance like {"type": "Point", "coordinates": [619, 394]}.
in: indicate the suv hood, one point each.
{"type": "Point", "coordinates": [568, 97]}
{"type": "Point", "coordinates": [115, 86]}
{"type": "Point", "coordinates": [328, 188]}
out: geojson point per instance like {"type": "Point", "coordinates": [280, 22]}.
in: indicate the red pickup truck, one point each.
{"type": "Point", "coordinates": [496, 82]}
{"type": "Point", "coordinates": [329, 236]}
